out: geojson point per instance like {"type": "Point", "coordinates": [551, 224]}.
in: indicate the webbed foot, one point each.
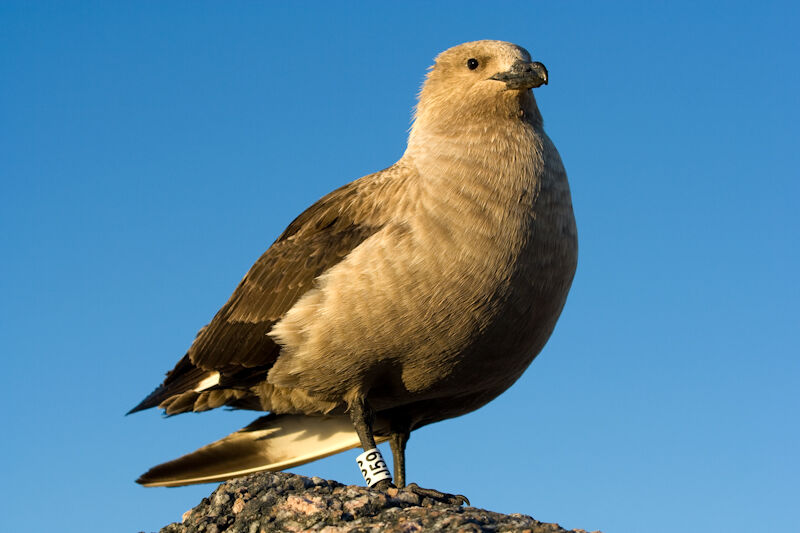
{"type": "Point", "coordinates": [444, 497]}
{"type": "Point", "coordinates": [386, 485]}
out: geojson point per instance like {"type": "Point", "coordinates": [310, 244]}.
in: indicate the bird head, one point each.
{"type": "Point", "coordinates": [476, 79]}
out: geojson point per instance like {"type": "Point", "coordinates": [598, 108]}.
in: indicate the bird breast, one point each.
{"type": "Point", "coordinates": [465, 284]}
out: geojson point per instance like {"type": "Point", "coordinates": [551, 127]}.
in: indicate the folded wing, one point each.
{"type": "Point", "coordinates": [234, 352]}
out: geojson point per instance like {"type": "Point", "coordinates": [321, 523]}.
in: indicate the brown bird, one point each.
{"type": "Point", "coordinates": [409, 296]}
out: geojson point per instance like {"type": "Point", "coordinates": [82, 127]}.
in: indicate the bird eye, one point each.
{"type": "Point", "coordinates": [472, 63]}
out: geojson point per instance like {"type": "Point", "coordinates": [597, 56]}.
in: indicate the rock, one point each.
{"type": "Point", "coordinates": [278, 501]}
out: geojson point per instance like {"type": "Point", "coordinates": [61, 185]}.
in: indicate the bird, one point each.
{"type": "Point", "coordinates": [409, 296]}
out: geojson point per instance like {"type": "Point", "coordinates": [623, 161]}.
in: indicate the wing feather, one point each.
{"type": "Point", "coordinates": [235, 343]}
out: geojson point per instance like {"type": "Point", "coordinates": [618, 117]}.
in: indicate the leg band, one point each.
{"type": "Point", "coordinates": [373, 467]}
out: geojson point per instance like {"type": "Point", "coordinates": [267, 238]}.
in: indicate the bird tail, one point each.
{"type": "Point", "coordinates": [272, 442]}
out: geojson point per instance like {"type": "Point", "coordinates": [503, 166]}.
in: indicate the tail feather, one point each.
{"type": "Point", "coordinates": [272, 442]}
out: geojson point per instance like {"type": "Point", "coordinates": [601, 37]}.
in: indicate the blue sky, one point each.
{"type": "Point", "coordinates": [150, 152]}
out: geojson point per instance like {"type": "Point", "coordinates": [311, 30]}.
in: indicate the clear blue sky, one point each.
{"type": "Point", "coordinates": [150, 152]}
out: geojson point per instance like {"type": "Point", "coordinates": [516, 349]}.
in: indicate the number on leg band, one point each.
{"type": "Point", "coordinates": [373, 467]}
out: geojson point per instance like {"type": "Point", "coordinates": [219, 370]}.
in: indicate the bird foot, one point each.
{"type": "Point", "coordinates": [386, 485]}
{"type": "Point", "coordinates": [443, 497]}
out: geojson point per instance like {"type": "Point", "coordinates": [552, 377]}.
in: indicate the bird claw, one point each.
{"type": "Point", "coordinates": [444, 497]}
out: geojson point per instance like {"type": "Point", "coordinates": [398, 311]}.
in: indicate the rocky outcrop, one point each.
{"type": "Point", "coordinates": [286, 502]}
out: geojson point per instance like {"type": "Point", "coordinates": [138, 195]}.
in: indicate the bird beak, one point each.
{"type": "Point", "coordinates": [523, 75]}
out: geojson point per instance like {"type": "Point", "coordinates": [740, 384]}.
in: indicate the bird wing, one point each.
{"type": "Point", "coordinates": [235, 343]}
{"type": "Point", "coordinates": [314, 242]}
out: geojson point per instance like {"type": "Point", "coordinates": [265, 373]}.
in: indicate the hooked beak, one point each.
{"type": "Point", "coordinates": [523, 75]}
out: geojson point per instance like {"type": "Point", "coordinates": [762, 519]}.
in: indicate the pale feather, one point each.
{"type": "Point", "coordinates": [270, 443]}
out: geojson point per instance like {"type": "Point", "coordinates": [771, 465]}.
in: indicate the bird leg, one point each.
{"type": "Point", "coordinates": [362, 416]}
{"type": "Point", "coordinates": [398, 440]}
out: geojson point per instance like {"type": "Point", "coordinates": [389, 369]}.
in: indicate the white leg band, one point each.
{"type": "Point", "coordinates": [373, 467]}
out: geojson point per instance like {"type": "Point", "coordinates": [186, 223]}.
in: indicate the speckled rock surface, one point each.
{"type": "Point", "coordinates": [287, 502]}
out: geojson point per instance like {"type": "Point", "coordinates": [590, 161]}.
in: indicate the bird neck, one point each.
{"type": "Point", "coordinates": [487, 174]}
{"type": "Point", "coordinates": [447, 116]}
{"type": "Point", "coordinates": [500, 150]}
